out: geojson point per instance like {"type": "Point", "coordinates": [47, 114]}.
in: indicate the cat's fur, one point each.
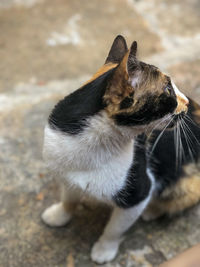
{"type": "Point", "coordinates": [100, 141]}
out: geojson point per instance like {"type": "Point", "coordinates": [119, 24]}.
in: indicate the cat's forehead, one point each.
{"type": "Point", "coordinates": [151, 74]}
{"type": "Point", "coordinates": [146, 65]}
{"type": "Point", "coordinates": [149, 67]}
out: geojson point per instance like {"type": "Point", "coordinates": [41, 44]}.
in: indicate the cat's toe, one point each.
{"type": "Point", "coordinates": [56, 215]}
{"type": "Point", "coordinates": [104, 251]}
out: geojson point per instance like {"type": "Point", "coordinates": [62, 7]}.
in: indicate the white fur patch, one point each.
{"type": "Point", "coordinates": [96, 160]}
{"type": "Point", "coordinates": [56, 215]}
{"type": "Point", "coordinates": [179, 93]}
{"type": "Point", "coordinates": [106, 248]}
{"type": "Point", "coordinates": [146, 216]}
{"type": "Point", "coordinates": [152, 178]}
{"type": "Point", "coordinates": [104, 251]}
{"type": "Point", "coordinates": [135, 80]}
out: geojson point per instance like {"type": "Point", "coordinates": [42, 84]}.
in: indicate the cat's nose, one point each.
{"type": "Point", "coordinates": [183, 104]}
{"type": "Point", "coordinates": [185, 101]}
{"type": "Point", "coordinates": [182, 100]}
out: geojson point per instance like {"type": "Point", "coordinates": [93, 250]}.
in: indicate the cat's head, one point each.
{"type": "Point", "coordinates": [138, 94]}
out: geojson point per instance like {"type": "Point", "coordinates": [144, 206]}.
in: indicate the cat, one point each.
{"type": "Point", "coordinates": [113, 140]}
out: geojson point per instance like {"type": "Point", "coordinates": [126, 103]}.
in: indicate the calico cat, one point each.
{"type": "Point", "coordinates": [104, 140]}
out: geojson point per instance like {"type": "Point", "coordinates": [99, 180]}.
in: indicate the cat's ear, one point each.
{"type": "Point", "coordinates": [117, 51]}
{"type": "Point", "coordinates": [129, 61]}
{"type": "Point", "coordinates": [126, 78]}
{"type": "Point", "coordinates": [129, 67]}
{"type": "Point", "coordinates": [133, 49]}
{"type": "Point", "coordinates": [132, 65]}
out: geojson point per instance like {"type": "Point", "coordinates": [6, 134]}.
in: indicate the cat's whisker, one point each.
{"type": "Point", "coordinates": [156, 126]}
{"type": "Point", "coordinates": [180, 144]}
{"type": "Point", "coordinates": [189, 130]}
{"type": "Point", "coordinates": [178, 140]}
{"type": "Point", "coordinates": [177, 146]}
{"type": "Point", "coordinates": [190, 136]}
{"type": "Point", "coordinates": [175, 142]}
{"type": "Point", "coordinates": [182, 152]}
{"type": "Point", "coordinates": [160, 135]}
{"type": "Point", "coordinates": [174, 130]}
{"type": "Point", "coordinates": [187, 139]}
{"type": "Point", "coordinates": [190, 141]}
{"type": "Point", "coordinates": [189, 119]}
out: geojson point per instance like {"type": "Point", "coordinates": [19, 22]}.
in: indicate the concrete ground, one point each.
{"type": "Point", "coordinates": [47, 49]}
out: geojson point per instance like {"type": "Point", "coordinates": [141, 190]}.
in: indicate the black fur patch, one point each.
{"type": "Point", "coordinates": [71, 113]}
{"type": "Point", "coordinates": [163, 161]}
{"type": "Point", "coordinates": [137, 184]}
{"type": "Point", "coordinates": [118, 50]}
{"type": "Point", "coordinates": [126, 102]}
{"type": "Point", "coordinates": [152, 109]}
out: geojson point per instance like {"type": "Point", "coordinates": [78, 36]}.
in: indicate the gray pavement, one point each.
{"type": "Point", "coordinates": [47, 49]}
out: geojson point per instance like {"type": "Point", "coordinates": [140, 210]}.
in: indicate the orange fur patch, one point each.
{"type": "Point", "coordinates": [101, 71]}
{"type": "Point", "coordinates": [182, 107]}
{"type": "Point", "coordinates": [186, 194]}
{"type": "Point", "coordinates": [183, 195]}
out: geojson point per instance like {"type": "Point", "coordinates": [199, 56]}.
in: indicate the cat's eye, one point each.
{"type": "Point", "coordinates": [168, 90]}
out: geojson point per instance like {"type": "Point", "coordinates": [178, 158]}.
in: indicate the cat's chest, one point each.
{"type": "Point", "coordinates": [102, 183]}
{"type": "Point", "coordinates": [95, 171]}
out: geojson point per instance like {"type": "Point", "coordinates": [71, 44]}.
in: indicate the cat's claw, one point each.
{"type": "Point", "coordinates": [104, 251]}
{"type": "Point", "coordinates": [56, 215]}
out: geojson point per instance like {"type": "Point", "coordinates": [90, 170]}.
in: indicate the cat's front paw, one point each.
{"type": "Point", "coordinates": [104, 251]}
{"type": "Point", "coordinates": [56, 215]}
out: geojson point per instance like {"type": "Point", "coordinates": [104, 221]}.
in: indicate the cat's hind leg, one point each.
{"type": "Point", "coordinates": [183, 195]}
{"type": "Point", "coordinates": [59, 214]}
{"type": "Point", "coordinates": [153, 211]}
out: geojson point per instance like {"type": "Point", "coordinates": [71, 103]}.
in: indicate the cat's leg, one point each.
{"type": "Point", "coordinates": [60, 213]}
{"type": "Point", "coordinates": [106, 248]}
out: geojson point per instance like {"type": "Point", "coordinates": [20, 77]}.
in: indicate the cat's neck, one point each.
{"type": "Point", "coordinates": [99, 143]}
{"type": "Point", "coordinates": [103, 133]}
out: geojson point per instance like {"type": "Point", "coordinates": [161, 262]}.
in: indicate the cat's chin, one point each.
{"type": "Point", "coordinates": [172, 124]}
{"type": "Point", "coordinates": [166, 123]}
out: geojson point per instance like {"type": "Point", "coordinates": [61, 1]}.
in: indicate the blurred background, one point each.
{"type": "Point", "coordinates": [47, 49]}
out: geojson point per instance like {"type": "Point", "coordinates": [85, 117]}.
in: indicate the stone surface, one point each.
{"type": "Point", "coordinates": [54, 40]}
{"type": "Point", "coordinates": [47, 49]}
{"type": "Point", "coordinates": [175, 18]}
